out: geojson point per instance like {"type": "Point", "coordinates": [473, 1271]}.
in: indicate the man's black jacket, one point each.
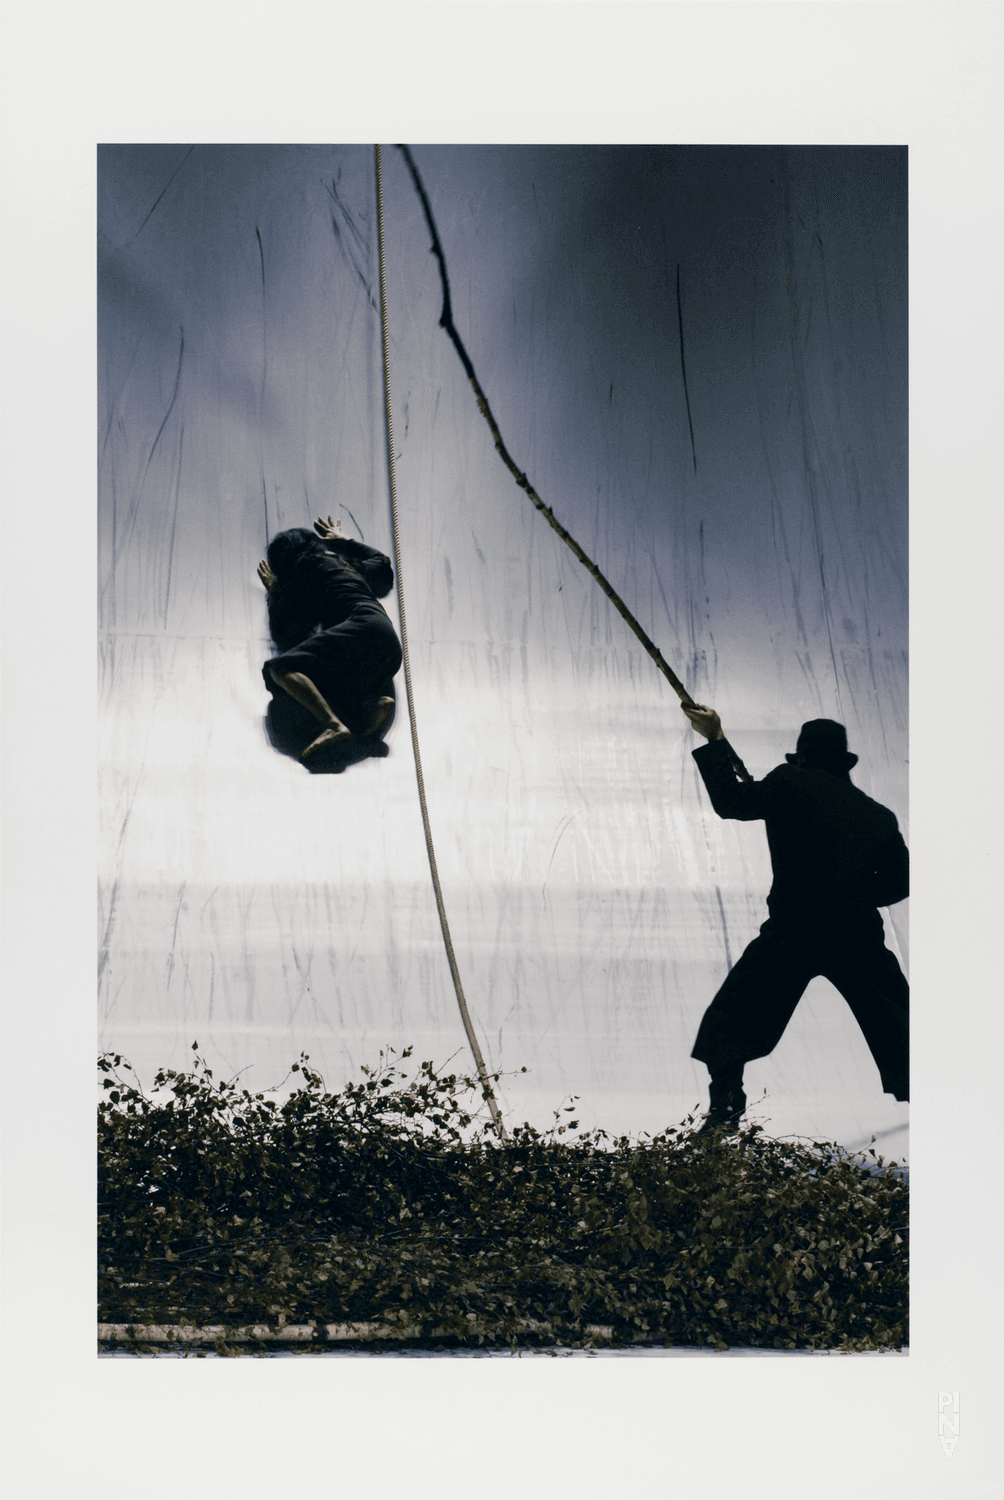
{"type": "Point", "coordinates": [834, 851]}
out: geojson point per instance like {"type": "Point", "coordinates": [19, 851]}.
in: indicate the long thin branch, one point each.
{"type": "Point", "coordinates": [446, 323]}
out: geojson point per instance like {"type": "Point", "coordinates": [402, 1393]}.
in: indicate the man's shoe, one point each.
{"type": "Point", "coordinates": [726, 1111]}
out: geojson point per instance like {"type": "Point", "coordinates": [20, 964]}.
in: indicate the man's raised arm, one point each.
{"type": "Point", "coordinates": [730, 796]}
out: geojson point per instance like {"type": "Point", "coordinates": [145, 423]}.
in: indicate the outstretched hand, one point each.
{"type": "Point", "coordinates": [266, 575]}
{"type": "Point", "coordinates": [704, 720]}
{"type": "Point", "coordinates": [328, 530]}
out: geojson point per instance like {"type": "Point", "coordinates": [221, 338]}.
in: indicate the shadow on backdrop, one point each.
{"type": "Point", "coordinates": [290, 729]}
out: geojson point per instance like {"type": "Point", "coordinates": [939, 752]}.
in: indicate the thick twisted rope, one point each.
{"type": "Point", "coordinates": [486, 1083]}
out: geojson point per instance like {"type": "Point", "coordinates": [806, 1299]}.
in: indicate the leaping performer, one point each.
{"type": "Point", "coordinates": [837, 856]}
{"type": "Point", "coordinates": [338, 650]}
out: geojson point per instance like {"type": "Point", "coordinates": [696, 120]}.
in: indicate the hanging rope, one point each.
{"type": "Point", "coordinates": [465, 1016]}
{"type": "Point", "coordinates": [446, 323]}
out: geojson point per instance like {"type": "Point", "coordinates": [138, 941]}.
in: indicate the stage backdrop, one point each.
{"type": "Point", "coordinates": [741, 480]}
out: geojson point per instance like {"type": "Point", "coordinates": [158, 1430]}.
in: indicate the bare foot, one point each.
{"type": "Point", "coordinates": [379, 721]}
{"type": "Point", "coordinates": [331, 736]}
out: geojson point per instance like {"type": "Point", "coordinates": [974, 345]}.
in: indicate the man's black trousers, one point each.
{"type": "Point", "coordinates": [747, 1017]}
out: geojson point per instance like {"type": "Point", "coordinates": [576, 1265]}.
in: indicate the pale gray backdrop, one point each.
{"type": "Point", "coordinates": [596, 901]}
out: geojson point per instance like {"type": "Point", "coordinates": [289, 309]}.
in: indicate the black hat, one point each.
{"type": "Point", "coordinates": [822, 743]}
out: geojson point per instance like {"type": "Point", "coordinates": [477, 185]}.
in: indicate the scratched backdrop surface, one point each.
{"type": "Point", "coordinates": [753, 516]}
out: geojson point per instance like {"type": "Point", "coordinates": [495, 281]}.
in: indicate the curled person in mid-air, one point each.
{"type": "Point", "coordinates": [837, 856]}
{"type": "Point", "coordinates": [337, 649]}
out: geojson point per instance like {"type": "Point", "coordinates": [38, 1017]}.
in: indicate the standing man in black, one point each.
{"type": "Point", "coordinates": [837, 857]}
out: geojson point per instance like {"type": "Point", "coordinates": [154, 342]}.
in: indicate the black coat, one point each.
{"type": "Point", "coordinates": [320, 591]}
{"type": "Point", "coordinates": [835, 853]}
{"type": "Point", "coordinates": [325, 617]}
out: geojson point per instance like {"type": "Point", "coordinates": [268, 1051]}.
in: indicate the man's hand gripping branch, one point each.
{"type": "Point", "coordinates": [704, 720]}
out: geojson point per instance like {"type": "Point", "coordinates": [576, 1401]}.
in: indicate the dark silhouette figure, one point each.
{"type": "Point", "coordinates": [338, 651]}
{"type": "Point", "coordinates": [837, 856]}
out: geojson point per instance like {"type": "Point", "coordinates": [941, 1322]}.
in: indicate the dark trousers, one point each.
{"type": "Point", "coordinates": [350, 664]}
{"type": "Point", "coordinates": [747, 1017]}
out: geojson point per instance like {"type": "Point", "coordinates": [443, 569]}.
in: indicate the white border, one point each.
{"type": "Point", "coordinates": [927, 75]}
